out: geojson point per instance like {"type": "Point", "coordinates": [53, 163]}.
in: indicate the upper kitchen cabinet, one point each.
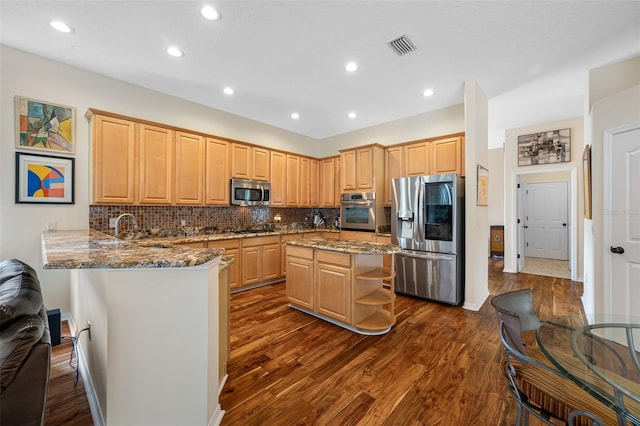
{"type": "Point", "coordinates": [416, 159]}
{"type": "Point", "coordinates": [393, 168]}
{"type": "Point", "coordinates": [155, 164]}
{"type": "Point", "coordinates": [447, 155]}
{"type": "Point", "coordinates": [363, 169]}
{"type": "Point", "coordinates": [189, 169]}
{"type": "Point", "coordinates": [250, 162]}
{"type": "Point", "coordinates": [305, 176]}
{"type": "Point", "coordinates": [278, 179]}
{"type": "Point", "coordinates": [217, 172]}
{"type": "Point", "coordinates": [328, 186]}
{"type": "Point", "coordinates": [114, 157]}
{"type": "Point", "coordinates": [314, 185]}
{"type": "Point", "coordinates": [293, 181]}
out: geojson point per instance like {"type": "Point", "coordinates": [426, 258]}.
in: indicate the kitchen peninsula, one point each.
{"type": "Point", "coordinates": [342, 282]}
{"type": "Point", "coordinates": [152, 351]}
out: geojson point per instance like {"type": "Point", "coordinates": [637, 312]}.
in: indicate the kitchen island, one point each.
{"type": "Point", "coordinates": [151, 355]}
{"type": "Point", "coordinates": [343, 282]}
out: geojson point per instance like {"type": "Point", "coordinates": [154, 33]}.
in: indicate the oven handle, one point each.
{"type": "Point", "coordinates": [357, 203]}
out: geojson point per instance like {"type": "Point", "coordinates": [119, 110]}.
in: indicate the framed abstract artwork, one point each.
{"type": "Point", "coordinates": [549, 147]}
{"type": "Point", "coordinates": [45, 126]}
{"type": "Point", "coordinates": [43, 179]}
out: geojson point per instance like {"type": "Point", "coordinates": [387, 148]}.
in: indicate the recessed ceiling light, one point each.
{"type": "Point", "coordinates": [295, 115]}
{"type": "Point", "coordinates": [427, 92]}
{"type": "Point", "coordinates": [351, 67]}
{"type": "Point", "coordinates": [174, 51]}
{"type": "Point", "coordinates": [229, 91]}
{"type": "Point", "coordinates": [61, 26]}
{"type": "Point", "coordinates": [352, 115]}
{"type": "Point", "coordinates": [210, 13]}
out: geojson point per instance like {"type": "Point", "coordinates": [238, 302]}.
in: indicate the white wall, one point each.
{"type": "Point", "coordinates": [476, 217]}
{"type": "Point", "coordinates": [511, 170]}
{"type": "Point", "coordinates": [496, 186]}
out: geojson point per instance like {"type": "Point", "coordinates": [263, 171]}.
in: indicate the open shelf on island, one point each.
{"type": "Point", "coordinates": [376, 274]}
{"type": "Point", "coordinates": [378, 321]}
{"type": "Point", "coordinates": [378, 297]}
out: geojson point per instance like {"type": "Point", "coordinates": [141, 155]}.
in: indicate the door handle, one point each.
{"type": "Point", "coordinates": [617, 250]}
{"type": "Point", "coordinates": [564, 224]}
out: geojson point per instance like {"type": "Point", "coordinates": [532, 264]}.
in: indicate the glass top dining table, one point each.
{"type": "Point", "coordinates": [601, 355]}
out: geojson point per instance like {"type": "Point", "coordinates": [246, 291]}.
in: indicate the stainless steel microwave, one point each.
{"type": "Point", "coordinates": [250, 193]}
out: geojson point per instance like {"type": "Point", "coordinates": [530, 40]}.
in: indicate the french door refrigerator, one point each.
{"type": "Point", "coordinates": [427, 222]}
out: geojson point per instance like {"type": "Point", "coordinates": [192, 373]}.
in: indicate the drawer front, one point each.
{"type": "Point", "coordinates": [291, 237]}
{"type": "Point", "coordinates": [260, 241]}
{"type": "Point", "coordinates": [341, 259]}
{"type": "Point", "coordinates": [303, 252]}
{"type": "Point", "coordinates": [225, 244]}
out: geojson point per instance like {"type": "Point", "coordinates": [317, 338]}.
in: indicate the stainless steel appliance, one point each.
{"type": "Point", "coordinates": [427, 222]}
{"type": "Point", "coordinates": [250, 193]}
{"type": "Point", "coordinates": [360, 211]}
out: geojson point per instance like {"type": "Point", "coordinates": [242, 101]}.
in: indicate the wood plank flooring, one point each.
{"type": "Point", "coordinates": [438, 366]}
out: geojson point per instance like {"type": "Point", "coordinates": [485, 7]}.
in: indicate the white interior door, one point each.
{"type": "Point", "coordinates": [520, 221]}
{"type": "Point", "coordinates": [622, 220]}
{"type": "Point", "coordinates": [546, 220]}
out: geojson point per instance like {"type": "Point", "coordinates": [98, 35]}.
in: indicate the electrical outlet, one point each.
{"type": "Point", "coordinates": [183, 222]}
{"type": "Point", "coordinates": [89, 327]}
{"type": "Point", "coordinates": [112, 222]}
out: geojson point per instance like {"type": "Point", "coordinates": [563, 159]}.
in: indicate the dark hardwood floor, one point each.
{"type": "Point", "coordinates": [440, 365]}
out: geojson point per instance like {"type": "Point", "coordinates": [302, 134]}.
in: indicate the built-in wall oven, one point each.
{"type": "Point", "coordinates": [358, 211]}
{"type": "Point", "coordinates": [250, 193]}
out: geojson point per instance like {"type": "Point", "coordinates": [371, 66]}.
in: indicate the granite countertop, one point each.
{"type": "Point", "coordinates": [218, 236]}
{"type": "Point", "coordinates": [346, 246]}
{"type": "Point", "coordinates": [85, 249]}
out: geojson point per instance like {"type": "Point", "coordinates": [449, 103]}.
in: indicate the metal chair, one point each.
{"type": "Point", "coordinates": [516, 315]}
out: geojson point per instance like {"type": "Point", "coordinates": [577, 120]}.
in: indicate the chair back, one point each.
{"type": "Point", "coordinates": [516, 315]}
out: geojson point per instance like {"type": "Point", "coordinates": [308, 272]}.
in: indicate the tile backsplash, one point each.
{"type": "Point", "coordinates": [195, 217]}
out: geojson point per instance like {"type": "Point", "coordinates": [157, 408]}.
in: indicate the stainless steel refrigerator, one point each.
{"type": "Point", "coordinates": [427, 222]}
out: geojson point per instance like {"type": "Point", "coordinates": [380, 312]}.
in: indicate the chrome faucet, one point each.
{"type": "Point", "coordinates": [117, 226]}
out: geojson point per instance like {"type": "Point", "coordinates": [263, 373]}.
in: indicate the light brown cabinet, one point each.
{"type": "Point", "coordinates": [115, 177]}
{"type": "Point", "coordinates": [189, 169]}
{"type": "Point", "coordinates": [293, 180]}
{"type": "Point", "coordinates": [250, 162]}
{"type": "Point", "coordinates": [358, 236]}
{"type": "Point", "coordinates": [416, 159]}
{"type": "Point", "coordinates": [155, 164]}
{"type": "Point", "coordinates": [393, 168]}
{"type": "Point", "coordinates": [260, 259]}
{"type": "Point", "coordinates": [327, 182]}
{"type": "Point", "coordinates": [278, 179]}
{"type": "Point", "coordinates": [300, 279]}
{"type": "Point", "coordinates": [447, 156]}
{"type": "Point", "coordinates": [362, 169]}
{"type": "Point", "coordinates": [304, 178]}
{"type": "Point", "coordinates": [333, 285]}
{"type": "Point", "coordinates": [314, 187]}
{"type": "Point", "coordinates": [338, 182]}
{"type": "Point", "coordinates": [217, 172]}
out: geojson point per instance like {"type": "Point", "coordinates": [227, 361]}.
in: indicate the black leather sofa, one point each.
{"type": "Point", "coordinates": [25, 346]}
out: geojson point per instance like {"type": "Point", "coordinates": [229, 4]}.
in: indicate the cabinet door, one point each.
{"type": "Point", "coordinates": [305, 199]}
{"type": "Point", "coordinates": [327, 183]}
{"type": "Point", "coordinates": [333, 291]}
{"type": "Point", "coordinates": [114, 161]}
{"type": "Point", "coordinates": [240, 161]}
{"type": "Point", "coordinates": [251, 265]}
{"type": "Point", "coordinates": [416, 159]}
{"type": "Point", "coordinates": [393, 168]}
{"type": "Point", "coordinates": [260, 164]}
{"type": "Point", "coordinates": [189, 169]}
{"type": "Point", "coordinates": [234, 269]}
{"type": "Point", "coordinates": [446, 156]}
{"type": "Point", "coordinates": [349, 171]}
{"type": "Point", "coordinates": [278, 178]}
{"type": "Point", "coordinates": [300, 282]}
{"type": "Point", "coordinates": [217, 172]}
{"type": "Point", "coordinates": [156, 164]}
{"type": "Point", "coordinates": [364, 165]}
{"type": "Point", "coordinates": [270, 262]}
{"type": "Point", "coordinates": [338, 182]}
{"type": "Point", "coordinates": [314, 188]}
{"type": "Point", "coordinates": [293, 180]}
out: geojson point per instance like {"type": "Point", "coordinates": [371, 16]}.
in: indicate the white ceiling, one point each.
{"type": "Point", "coordinates": [529, 57]}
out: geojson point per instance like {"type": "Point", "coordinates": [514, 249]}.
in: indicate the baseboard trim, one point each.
{"type": "Point", "coordinates": [216, 418]}
{"type": "Point", "coordinates": [92, 399]}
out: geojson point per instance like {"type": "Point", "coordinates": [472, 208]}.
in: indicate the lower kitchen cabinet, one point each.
{"type": "Point", "coordinates": [260, 259]}
{"type": "Point", "coordinates": [231, 248]}
{"type": "Point", "coordinates": [333, 285]}
{"type": "Point", "coordinates": [300, 276]}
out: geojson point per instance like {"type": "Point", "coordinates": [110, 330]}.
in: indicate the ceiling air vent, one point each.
{"type": "Point", "coordinates": [402, 45]}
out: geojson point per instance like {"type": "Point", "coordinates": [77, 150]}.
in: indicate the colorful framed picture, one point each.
{"type": "Point", "coordinates": [45, 126]}
{"type": "Point", "coordinates": [483, 186]}
{"type": "Point", "coordinates": [43, 179]}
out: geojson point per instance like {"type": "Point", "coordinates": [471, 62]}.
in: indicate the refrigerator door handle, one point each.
{"type": "Point", "coordinates": [420, 238]}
